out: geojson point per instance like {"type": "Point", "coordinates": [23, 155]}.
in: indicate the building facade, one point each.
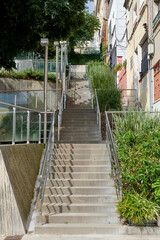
{"type": "Point", "coordinates": [116, 16]}
{"type": "Point", "coordinates": [143, 56]}
{"type": "Point", "coordinates": [101, 36]}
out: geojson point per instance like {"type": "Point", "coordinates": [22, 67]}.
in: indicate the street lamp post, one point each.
{"type": "Point", "coordinates": [61, 43]}
{"type": "Point", "coordinates": [44, 43]}
{"type": "Point", "coordinates": [57, 49]}
{"type": "Point", "coordinates": [65, 63]}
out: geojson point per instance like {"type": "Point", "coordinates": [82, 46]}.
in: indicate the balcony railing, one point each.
{"type": "Point", "coordinates": [155, 21]}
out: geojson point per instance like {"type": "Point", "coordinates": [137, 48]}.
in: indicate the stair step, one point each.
{"type": "Point", "coordinates": [82, 175]}
{"type": "Point", "coordinates": [80, 151]}
{"type": "Point", "coordinates": [81, 162]}
{"type": "Point", "coordinates": [82, 218]}
{"type": "Point", "coordinates": [78, 208]}
{"type": "Point", "coordinates": [87, 168]}
{"type": "Point", "coordinates": [80, 156]}
{"type": "Point", "coordinates": [80, 182]}
{"type": "Point", "coordinates": [81, 146]}
{"type": "Point", "coordinates": [110, 230]}
{"type": "Point", "coordinates": [68, 199]}
{"type": "Point", "coordinates": [80, 190]}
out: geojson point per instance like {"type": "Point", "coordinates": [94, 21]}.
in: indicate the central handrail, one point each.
{"type": "Point", "coordinates": [98, 111]}
{"type": "Point", "coordinates": [45, 162]}
{"type": "Point", "coordinates": [62, 106]}
{"type": "Point", "coordinates": [115, 169]}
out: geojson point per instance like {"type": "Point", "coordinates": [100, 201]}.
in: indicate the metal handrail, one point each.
{"type": "Point", "coordinates": [98, 111]}
{"type": "Point", "coordinates": [23, 108]}
{"type": "Point", "coordinates": [45, 163]}
{"type": "Point", "coordinates": [115, 169]}
{"type": "Point", "coordinates": [28, 90]}
{"type": "Point", "coordinates": [62, 106]}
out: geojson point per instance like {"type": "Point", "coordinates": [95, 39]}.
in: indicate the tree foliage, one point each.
{"type": "Point", "coordinates": [23, 23]}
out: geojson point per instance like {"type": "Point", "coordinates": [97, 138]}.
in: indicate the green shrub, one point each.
{"type": "Point", "coordinates": [27, 74]}
{"type": "Point", "coordinates": [137, 209]}
{"type": "Point", "coordinates": [137, 139]}
{"type": "Point", "coordinates": [83, 59]}
{"type": "Point", "coordinates": [103, 80]}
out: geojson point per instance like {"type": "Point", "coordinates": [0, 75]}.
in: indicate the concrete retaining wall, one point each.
{"type": "Point", "coordinates": [19, 167]}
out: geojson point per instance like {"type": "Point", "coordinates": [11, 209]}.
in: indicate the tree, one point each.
{"type": "Point", "coordinates": [23, 23]}
{"type": "Point", "coordinates": [19, 28]}
{"type": "Point", "coordinates": [84, 32]}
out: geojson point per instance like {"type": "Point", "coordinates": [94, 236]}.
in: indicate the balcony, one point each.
{"type": "Point", "coordinates": [156, 20]}
{"type": "Point", "coordinates": [144, 65]}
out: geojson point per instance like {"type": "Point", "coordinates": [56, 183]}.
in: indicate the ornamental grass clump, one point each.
{"type": "Point", "coordinates": [137, 210]}
{"type": "Point", "coordinates": [103, 80]}
{"type": "Point", "coordinates": [137, 140]}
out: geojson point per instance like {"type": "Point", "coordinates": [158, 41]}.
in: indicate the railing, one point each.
{"type": "Point", "coordinates": [98, 112]}
{"type": "Point", "coordinates": [62, 106]}
{"type": "Point", "coordinates": [115, 169]}
{"type": "Point", "coordinates": [31, 98]}
{"type": "Point", "coordinates": [37, 65]}
{"type": "Point", "coordinates": [20, 124]}
{"type": "Point", "coordinates": [45, 163]}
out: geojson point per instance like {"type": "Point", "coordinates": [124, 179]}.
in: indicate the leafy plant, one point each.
{"type": "Point", "coordinates": [137, 209]}
{"type": "Point", "coordinates": [117, 68]}
{"type": "Point", "coordinates": [156, 189]}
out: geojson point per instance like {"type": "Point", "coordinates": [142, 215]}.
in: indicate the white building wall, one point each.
{"type": "Point", "coordinates": [117, 17]}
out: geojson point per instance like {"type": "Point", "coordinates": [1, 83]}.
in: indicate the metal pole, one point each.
{"type": "Point", "coordinates": [44, 43]}
{"type": "Point", "coordinates": [28, 126]}
{"type": "Point", "coordinates": [61, 62]}
{"type": "Point", "coordinates": [45, 93]}
{"type": "Point", "coordinates": [57, 50]}
{"type": "Point", "coordinates": [14, 126]}
{"type": "Point", "coordinates": [65, 65]}
{"type": "Point", "coordinates": [39, 128]}
{"type": "Point", "coordinates": [57, 53]}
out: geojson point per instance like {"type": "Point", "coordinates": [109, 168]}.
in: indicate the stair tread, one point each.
{"type": "Point", "coordinates": [81, 204]}
{"type": "Point", "coordinates": [79, 214]}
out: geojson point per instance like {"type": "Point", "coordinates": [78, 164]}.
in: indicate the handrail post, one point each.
{"type": "Point", "coordinates": [14, 126]}
{"type": "Point", "coordinates": [64, 100]}
{"type": "Point", "coordinates": [39, 141]}
{"type": "Point", "coordinates": [28, 126]}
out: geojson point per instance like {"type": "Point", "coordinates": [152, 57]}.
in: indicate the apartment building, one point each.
{"type": "Point", "coordinates": [116, 16]}
{"type": "Point", "coordinates": [143, 51]}
{"type": "Point", "coordinates": [101, 36]}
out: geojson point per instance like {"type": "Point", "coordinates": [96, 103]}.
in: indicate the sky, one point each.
{"type": "Point", "coordinates": [91, 6]}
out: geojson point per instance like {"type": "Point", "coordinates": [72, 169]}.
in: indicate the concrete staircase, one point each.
{"type": "Point", "coordinates": [80, 196]}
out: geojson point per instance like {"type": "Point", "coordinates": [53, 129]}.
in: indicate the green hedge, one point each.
{"type": "Point", "coordinates": [27, 74]}
{"type": "Point", "coordinates": [103, 80]}
{"type": "Point", "coordinates": [83, 59]}
{"type": "Point", "coordinates": [137, 138]}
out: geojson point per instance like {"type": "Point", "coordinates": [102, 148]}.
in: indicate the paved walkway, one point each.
{"type": "Point", "coordinates": [89, 237]}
